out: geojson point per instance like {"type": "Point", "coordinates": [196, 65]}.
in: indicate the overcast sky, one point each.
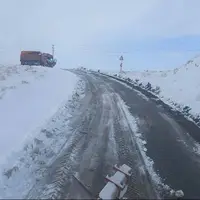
{"type": "Point", "coordinates": [151, 34]}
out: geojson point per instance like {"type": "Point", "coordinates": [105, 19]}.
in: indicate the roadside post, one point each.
{"type": "Point", "coordinates": [53, 50]}
{"type": "Point", "coordinates": [121, 63]}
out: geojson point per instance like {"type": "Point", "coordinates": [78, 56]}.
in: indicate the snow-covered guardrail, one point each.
{"type": "Point", "coordinates": [186, 122]}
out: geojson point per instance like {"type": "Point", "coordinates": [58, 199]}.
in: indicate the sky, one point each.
{"type": "Point", "coordinates": [150, 34]}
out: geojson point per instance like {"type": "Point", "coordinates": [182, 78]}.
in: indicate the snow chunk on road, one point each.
{"type": "Point", "coordinates": [28, 97]}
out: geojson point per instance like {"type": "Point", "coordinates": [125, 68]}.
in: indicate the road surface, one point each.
{"type": "Point", "coordinates": [118, 125]}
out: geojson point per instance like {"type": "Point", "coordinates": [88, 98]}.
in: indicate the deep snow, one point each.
{"type": "Point", "coordinates": [181, 85]}
{"type": "Point", "coordinates": [28, 97]}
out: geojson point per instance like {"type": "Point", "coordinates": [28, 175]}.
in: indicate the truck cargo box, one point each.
{"type": "Point", "coordinates": [30, 57]}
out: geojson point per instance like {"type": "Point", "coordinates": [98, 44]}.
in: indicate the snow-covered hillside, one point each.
{"type": "Point", "coordinates": [29, 97]}
{"type": "Point", "coordinates": [179, 87]}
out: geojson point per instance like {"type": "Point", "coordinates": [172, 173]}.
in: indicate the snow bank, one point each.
{"type": "Point", "coordinates": [28, 97]}
{"type": "Point", "coordinates": [181, 85]}
{"type": "Point", "coordinates": [24, 176]}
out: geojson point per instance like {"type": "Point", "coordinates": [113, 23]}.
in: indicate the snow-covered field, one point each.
{"type": "Point", "coordinates": [179, 87]}
{"type": "Point", "coordinates": [31, 107]}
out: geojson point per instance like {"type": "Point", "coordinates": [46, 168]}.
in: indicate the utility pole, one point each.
{"type": "Point", "coordinates": [121, 63]}
{"type": "Point", "coordinates": [53, 50]}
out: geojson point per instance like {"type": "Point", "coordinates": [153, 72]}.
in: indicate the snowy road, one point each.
{"type": "Point", "coordinates": [115, 124]}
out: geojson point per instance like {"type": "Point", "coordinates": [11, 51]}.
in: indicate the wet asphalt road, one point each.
{"type": "Point", "coordinates": [107, 141]}
{"type": "Point", "coordinates": [103, 134]}
{"type": "Point", "coordinates": [175, 153]}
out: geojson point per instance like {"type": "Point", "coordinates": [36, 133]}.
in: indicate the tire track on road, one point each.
{"type": "Point", "coordinates": [100, 137]}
